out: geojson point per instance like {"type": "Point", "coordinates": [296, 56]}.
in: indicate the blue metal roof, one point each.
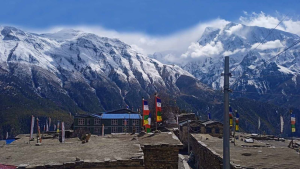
{"type": "Point", "coordinates": [121, 116]}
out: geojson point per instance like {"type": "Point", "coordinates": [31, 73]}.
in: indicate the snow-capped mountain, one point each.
{"type": "Point", "coordinates": [70, 71]}
{"type": "Point", "coordinates": [95, 72]}
{"type": "Point", "coordinates": [254, 68]}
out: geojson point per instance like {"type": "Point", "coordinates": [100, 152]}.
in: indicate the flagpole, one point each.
{"type": "Point", "coordinates": [291, 112]}
{"type": "Point", "coordinates": [155, 99]}
{"type": "Point", "coordinates": [142, 122]}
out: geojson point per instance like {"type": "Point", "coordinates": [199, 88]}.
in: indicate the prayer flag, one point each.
{"type": "Point", "coordinates": [158, 109]}
{"type": "Point", "coordinates": [293, 122]}
{"type": "Point", "coordinates": [230, 117]}
{"type": "Point", "coordinates": [237, 121]}
{"type": "Point", "coordinates": [62, 132]}
{"type": "Point", "coordinates": [31, 128]}
{"type": "Point", "coordinates": [146, 116]}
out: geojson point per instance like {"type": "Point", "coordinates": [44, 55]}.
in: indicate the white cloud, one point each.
{"type": "Point", "coordinates": [268, 45]}
{"type": "Point", "coordinates": [263, 20]}
{"type": "Point", "coordinates": [234, 29]}
{"type": "Point", "coordinates": [183, 46]}
{"type": "Point", "coordinates": [292, 26]}
{"type": "Point", "coordinates": [227, 53]}
{"type": "Point", "coordinates": [195, 50]}
{"type": "Point", "coordinates": [178, 41]}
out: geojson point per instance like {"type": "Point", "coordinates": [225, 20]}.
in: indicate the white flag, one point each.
{"type": "Point", "coordinates": [259, 123]}
{"type": "Point", "coordinates": [102, 129]}
{"type": "Point", "coordinates": [281, 124]}
{"type": "Point", "coordinates": [62, 132]}
{"type": "Point", "coordinates": [47, 127]}
{"type": "Point", "coordinates": [49, 123]}
{"type": "Point", "coordinates": [31, 127]}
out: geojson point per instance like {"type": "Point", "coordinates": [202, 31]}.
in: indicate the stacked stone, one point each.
{"type": "Point", "coordinates": [161, 156]}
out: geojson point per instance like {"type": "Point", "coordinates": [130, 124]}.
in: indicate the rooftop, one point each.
{"type": "Point", "coordinates": [110, 147]}
{"type": "Point", "coordinates": [260, 154]}
{"type": "Point", "coordinates": [121, 116]}
{"type": "Point", "coordinates": [115, 114]}
{"type": "Point", "coordinates": [208, 122]}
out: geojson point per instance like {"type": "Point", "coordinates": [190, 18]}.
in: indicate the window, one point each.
{"type": "Point", "coordinates": [125, 122]}
{"type": "Point", "coordinates": [114, 122]}
{"type": "Point", "coordinates": [87, 121]}
{"type": "Point", "coordinates": [135, 122]}
{"type": "Point", "coordinates": [208, 130]}
{"type": "Point", "coordinates": [217, 130]}
{"type": "Point", "coordinates": [137, 129]}
{"type": "Point", "coordinates": [81, 121]}
{"type": "Point", "coordinates": [114, 129]}
{"type": "Point", "coordinates": [97, 121]}
{"type": "Point", "coordinates": [97, 130]}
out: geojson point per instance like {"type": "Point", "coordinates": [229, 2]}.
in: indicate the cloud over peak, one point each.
{"type": "Point", "coordinates": [183, 44]}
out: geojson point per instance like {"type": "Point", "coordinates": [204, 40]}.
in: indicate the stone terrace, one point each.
{"type": "Point", "coordinates": [260, 154]}
{"type": "Point", "coordinates": [114, 151]}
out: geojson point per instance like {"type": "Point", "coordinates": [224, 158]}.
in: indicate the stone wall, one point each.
{"type": "Point", "coordinates": [183, 136]}
{"type": "Point", "coordinates": [107, 164]}
{"type": "Point", "coordinates": [161, 156]}
{"type": "Point", "coordinates": [205, 158]}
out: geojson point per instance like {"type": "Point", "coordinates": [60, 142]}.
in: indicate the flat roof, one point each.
{"type": "Point", "coordinates": [121, 116]}
{"type": "Point", "coordinates": [115, 114]}
{"type": "Point", "coordinates": [263, 153]}
{"type": "Point", "coordinates": [113, 147]}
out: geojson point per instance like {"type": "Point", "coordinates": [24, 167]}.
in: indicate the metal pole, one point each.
{"type": "Point", "coordinates": [188, 137]}
{"type": "Point", "coordinates": [226, 148]}
{"type": "Point", "coordinates": [142, 113]}
{"type": "Point", "coordinates": [155, 111]}
{"type": "Point", "coordinates": [291, 112]}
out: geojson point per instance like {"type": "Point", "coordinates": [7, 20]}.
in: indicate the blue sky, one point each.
{"type": "Point", "coordinates": [149, 25]}
{"type": "Point", "coordinates": [155, 17]}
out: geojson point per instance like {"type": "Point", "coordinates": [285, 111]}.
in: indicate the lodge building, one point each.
{"type": "Point", "coordinates": [117, 121]}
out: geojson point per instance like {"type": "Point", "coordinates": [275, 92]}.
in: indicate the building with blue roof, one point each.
{"type": "Point", "coordinates": [116, 121]}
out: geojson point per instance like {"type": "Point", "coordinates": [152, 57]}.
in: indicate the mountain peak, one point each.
{"type": "Point", "coordinates": [11, 33]}
{"type": "Point", "coordinates": [230, 24]}
{"type": "Point", "coordinates": [63, 34]}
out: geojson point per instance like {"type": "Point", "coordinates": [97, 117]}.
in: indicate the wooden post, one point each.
{"type": "Point", "coordinates": [102, 130]}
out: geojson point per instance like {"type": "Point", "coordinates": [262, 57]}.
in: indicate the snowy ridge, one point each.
{"type": "Point", "coordinates": [236, 41]}
{"type": "Point", "coordinates": [87, 57]}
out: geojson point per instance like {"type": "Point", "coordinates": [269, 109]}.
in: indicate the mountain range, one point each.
{"type": "Point", "coordinates": [257, 72]}
{"type": "Point", "coordinates": [70, 72]}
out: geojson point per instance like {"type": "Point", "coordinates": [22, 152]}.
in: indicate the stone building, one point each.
{"type": "Point", "coordinates": [214, 128]}
{"type": "Point", "coordinates": [117, 121]}
{"type": "Point", "coordinates": [186, 116]}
